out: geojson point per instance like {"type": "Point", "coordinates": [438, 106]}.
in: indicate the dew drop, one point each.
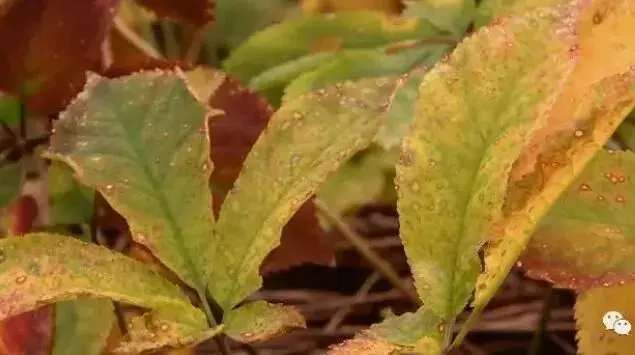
{"type": "Point", "coordinates": [432, 163]}
{"type": "Point", "coordinates": [622, 282]}
{"type": "Point", "coordinates": [519, 264]}
{"type": "Point", "coordinates": [205, 167]}
{"type": "Point", "coordinates": [606, 284]}
{"type": "Point", "coordinates": [297, 115]}
{"type": "Point", "coordinates": [578, 133]}
{"type": "Point", "coordinates": [415, 186]}
{"type": "Point", "coordinates": [600, 198]}
{"type": "Point", "coordinates": [164, 327]}
{"type": "Point", "coordinates": [20, 279]}
{"type": "Point", "coordinates": [109, 187]}
{"type": "Point", "coordinates": [621, 179]}
{"type": "Point", "coordinates": [620, 199]}
{"type": "Point", "coordinates": [585, 187]}
{"type": "Point", "coordinates": [285, 125]}
{"type": "Point", "coordinates": [295, 159]}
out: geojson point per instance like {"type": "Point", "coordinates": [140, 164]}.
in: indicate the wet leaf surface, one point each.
{"type": "Point", "coordinates": [474, 113]}
{"type": "Point", "coordinates": [40, 269]}
{"type": "Point", "coordinates": [417, 333]}
{"type": "Point", "coordinates": [232, 135]}
{"type": "Point", "coordinates": [313, 40]}
{"type": "Point", "coordinates": [593, 103]}
{"type": "Point", "coordinates": [587, 239]}
{"type": "Point", "coordinates": [141, 141]}
{"type": "Point", "coordinates": [301, 145]}
{"type": "Point", "coordinates": [82, 326]}
{"type": "Point", "coordinates": [260, 321]}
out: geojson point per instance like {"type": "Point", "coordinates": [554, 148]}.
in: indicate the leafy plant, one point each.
{"type": "Point", "coordinates": [499, 112]}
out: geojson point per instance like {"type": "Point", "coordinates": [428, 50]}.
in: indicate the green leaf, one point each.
{"type": "Point", "coordinates": [254, 15]}
{"type": "Point", "coordinates": [311, 40]}
{"type": "Point", "coordinates": [416, 332]}
{"type": "Point", "coordinates": [82, 326]}
{"type": "Point", "coordinates": [141, 141]}
{"type": "Point", "coordinates": [590, 308]}
{"type": "Point", "coordinates": [9, 109]}
{"type": "Point", "coordinates": [595, 100]}
{"type": "Point", "coordinates": [40, 269]}
{"type": "Point", "coordinates": [401, 111]}
{"type": "Point", "coordinates": [489, 10]}
{"type": "Point", "coordinates": [71, 202]}
{"type": "Point", "coordinates": [473, 116]}
{"type": "Point", "coordinates": [448, 15]}
{"type": "Point", "coordinates": [587, 239]}
{"type": "Point", "coordinates": [10, 181]}
{"type": "Point", "coordinates": [305, 140]}
{"type": "Point", "coordinates": [259, 321]}
{"type": "Point", "coordinates": [363, 63]}
{"type": "Point", "coordinates": [361, 180]}
{"type": "Point", "coordinates": [626, 134]}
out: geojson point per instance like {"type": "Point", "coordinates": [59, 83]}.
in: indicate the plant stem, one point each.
{"type": "Point", "coordinates": [536, 342]}
{"type": "Point", "coordinates": [194, 49]}
{"type": "Point", "coordinates": [169, 40]}
{"type": "Point", "coordinates": [134, 39]}
{"type": "Point", "coordinates": [382, 267]}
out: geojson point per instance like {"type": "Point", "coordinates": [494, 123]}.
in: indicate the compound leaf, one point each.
{"type": "Point", "coordinates": [141, 141]}
{"type": "Point", "coordinates": [40, 269]}
{"type": "Point", "coordinates": [259, 321]}
{"type": "Point", "coordinates": [82, 326]}
{"type": "Point", "coordinates": [302, 144]}
{"type": "Point", "coordinates": [473, 116]}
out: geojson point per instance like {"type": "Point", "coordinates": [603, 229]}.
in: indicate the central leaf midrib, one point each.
{"type": "Point", "coordinates": [266, 220]}
{"type": "Point", "coordinates": [463, 229]}
{"type": "Point", "coordinates": [160, 197]}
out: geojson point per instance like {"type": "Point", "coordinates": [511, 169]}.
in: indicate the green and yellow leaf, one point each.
{"type": "Point", "coordinates": [141, 141]}
{"type": "Point", "coordinates": [10, 181]}
{"type": "Point", "coordinates": [590, 108]}
{"type": "Point", "coordinates": [305, 140]}
{"type": "Point", "coordinates": [452, 16]}
{"type": "Point", "coordinates": [473, 116]}
{"type": "Point", "coordinates": [82, 326]}
{"type": "Point", "coordinates": [312, 40]}
{"type": "Point", "coordinates": [40, 269]}
{"type": "Point", "coordinates": [365, 63]}
{"type": "Point", "coordinates": [409, 333]}
{"type": "Point", "coordinates": [71, 202]}
{"type": "Point", "coordinates": [260, 321]}
{"type": "Point", "coordinates": [587, 239]}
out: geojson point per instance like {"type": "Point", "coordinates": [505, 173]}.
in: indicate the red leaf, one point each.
{"type": "Point", "coordinates": [48, 45]}
{"type": "Point", "coordinates": [29, 333]}
{"type": "Point", "coordinates": [196, 12]}
{"type": "Point", "coordinates": [232, 136]}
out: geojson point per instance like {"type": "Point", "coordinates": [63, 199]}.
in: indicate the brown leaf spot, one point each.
{"type": "Point", "coordinates": [326, 44]}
